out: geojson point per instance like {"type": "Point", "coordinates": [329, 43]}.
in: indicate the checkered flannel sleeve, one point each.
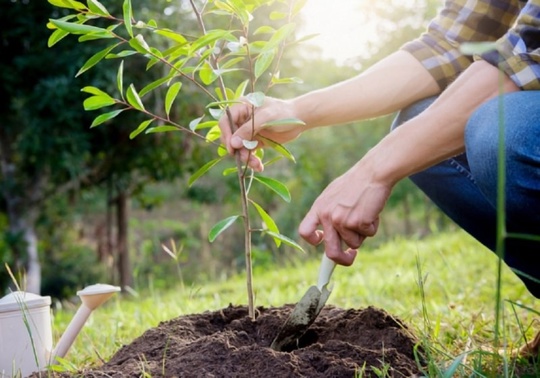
{"type": "Point", "coordinates": [518, 43]}
{"type": "Point", "coordinates": [518, 52]}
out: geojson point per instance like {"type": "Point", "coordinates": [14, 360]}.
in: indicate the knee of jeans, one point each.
{"type": "Point", "coordinates": [482, 131]}
{"type": "Point", "coordinates": [411, 111]}
{"type": "Point", "coordinates": [481, 137]}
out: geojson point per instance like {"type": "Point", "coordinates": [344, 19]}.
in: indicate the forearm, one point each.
{"type": "Point", "coordinates": [437, 133]}
{"type": "Point", "coordinates": [388, 86]}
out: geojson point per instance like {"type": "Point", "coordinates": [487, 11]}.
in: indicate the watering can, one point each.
{"type": "Point", "coordinates": [26, 344]}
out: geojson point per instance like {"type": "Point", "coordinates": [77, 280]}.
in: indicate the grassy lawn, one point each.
{"type": "Point", "coordinates": [443, 286]}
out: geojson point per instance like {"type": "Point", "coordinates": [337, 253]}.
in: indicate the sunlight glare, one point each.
{"type": "Point", "coordinates": [342, 31]}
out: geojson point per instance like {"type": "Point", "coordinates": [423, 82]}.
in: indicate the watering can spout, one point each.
{"type": "Point", "coordinates": [91, 297]}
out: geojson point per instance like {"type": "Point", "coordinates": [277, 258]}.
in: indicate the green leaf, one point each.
{"type": "Point", "coordinates": [284, 121]}
{"type": "Point", "coordinates": [277, 15]}
{"type": "Point", "coordinates": [153, 85]}
{"type": "Point", "coordinates": [224, 102]}
{"type": "Point", "coordinates": [204, 125]}
{"type": "Point", "coordinates": [95, 59]}
{"type": "Point", "coordinates": [133, 98]}
{"type": "Point", "coordinates": [224, 6]}
{"type": "Point", "coordinates": [264, 61]}
{"type": "Point", "coordinates": [279, 148]}
{"type": "Point", "coordinates": [283, 33]}
{"type": "Point", "coordinates": [275, 159]}
{"type": "Point", "coordinates": [236, 8]}
{"type": "Point", "coordinates": [201, 171]}
{"type": "Point", "coordinates": [286, 80]}
{"type": "Point", "coordinates": [264, 30]}
{"type": "Point", "coordinates": [221, 226]}
{"type": "Point", "coordinates": [120, 78]}
{"type": "Point", "coordinates": [95, 36]}
{"type": "Point", "coordinates": [76, 28]}
{"type": "Point", "coordinates": [172, 35]}
{"type": "Point", "coordinates": [56, 37]}
{"type": "Point", "coordinates": [105, 117]}
{"type": "Point", "coordinates": [210, 38]}
{"type": "Point", "coordinates": [162, 129]}
{"type": "Point", "coordinates": [256, 99]}
{"type": "Point", "coordinates": [286, 240]}
{"type": "Point", "coordinates": [298, 5]}
{"type": "Point", "coordinates": [194, 123]}
{"type": "Point", "coordinates": [96, 7]}
{"type": "Point", "coordinates": [231, 62]}
{"type": "Point", "coordinates": [171, 96]}
{"type": "Point", "coordinates": [51, 26]}
{"type": "Point", "coordinates": [97, 102]}
{"type": "Point", "coordinates": [268, 221]}
{"type": "Point", "coordinates": [207, 74]}
{"type": "Point", "coordinates": [126, 8]}
{"type": "Point", "coordinates": [121, 54]}
{"type": "Point", "coordinates": [241, 89]}
{"type": "Point", "coordinates": [213, 134]}
{"type": "Point", "coordinates": [139, 44]}
{"type": "Point", "coordinates": [215, 113]}
{"type": "Point", "coordinates": [70, 4]}
{"type": "Point", "coordinates": [142, 126]}
{"type": "Point", "coordinates": [94, 91]}
{"type": "Point", "coordinates": [278, 187]}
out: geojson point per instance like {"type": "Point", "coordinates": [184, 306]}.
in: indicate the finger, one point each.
{"type": "Point", "coordinates": [251, 160]}
{"type": "Point", "coordinates": [248, 130]}
{"type": "Point", "coordinates": [231, 119]}
{"type": "Point", "coordinates": [308, 228]}
{"type": "Point", "coordinates": [226, 133]}
{"type": "Point", "coordinates": [334, 250]}
{"type": "Point", "coordinates": [369, 229]}
{"type": "Point", "coordinates": [347, 257]}
{"type": "Point", "coordinates": [351, 238]}
{"type": "Point", "coordinates": [332, 243]}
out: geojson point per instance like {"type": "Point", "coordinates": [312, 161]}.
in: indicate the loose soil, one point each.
{"type": "Point", "coordinates": [227, 343]}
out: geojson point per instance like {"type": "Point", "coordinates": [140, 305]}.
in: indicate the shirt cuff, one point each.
{"type": "Point", "coordinates": [441, 59]}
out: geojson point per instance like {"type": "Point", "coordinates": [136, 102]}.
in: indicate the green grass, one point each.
{"type": "Point", "coordinates": [444, 287]}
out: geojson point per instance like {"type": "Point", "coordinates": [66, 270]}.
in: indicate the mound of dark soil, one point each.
{"type": "Point", "coordinates": [227, 343]}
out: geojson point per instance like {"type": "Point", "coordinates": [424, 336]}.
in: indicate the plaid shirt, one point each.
{"type": "Point", "coordinates": [513, 24]}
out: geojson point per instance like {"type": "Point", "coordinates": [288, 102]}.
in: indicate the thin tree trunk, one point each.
{"type": "Point", "coordinates": [25, 247]}
{"type": "Point", "coordinates": [23, 203]}
{"type": "Point", "coordinates": [124, 264]}
{"type": "Point", "coordinates": [33, 266]}
{"type": "Point", "coordinates": [111, 263]}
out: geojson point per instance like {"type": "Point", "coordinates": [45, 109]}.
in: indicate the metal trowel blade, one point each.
{"type": "Point", "coordinates": [303, 315]}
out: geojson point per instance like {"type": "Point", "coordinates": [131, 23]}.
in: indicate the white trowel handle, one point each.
{"type": "Point", "coordinates": [325, 272]}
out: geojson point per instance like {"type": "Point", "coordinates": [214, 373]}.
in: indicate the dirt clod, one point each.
{"type": "Point", "coordinates": [227, 343]}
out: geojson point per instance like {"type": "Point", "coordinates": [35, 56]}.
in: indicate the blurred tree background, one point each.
{"type": "Point", "coordinates": [81, 205]}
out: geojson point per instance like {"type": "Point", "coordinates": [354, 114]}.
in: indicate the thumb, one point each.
{"type": "Point", "coordinates": [246, 132]}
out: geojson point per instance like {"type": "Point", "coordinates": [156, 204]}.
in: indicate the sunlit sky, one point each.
{"type": "Point", "coordinates": [342, 33]}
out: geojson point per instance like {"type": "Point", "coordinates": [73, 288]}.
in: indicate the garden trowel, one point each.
{"type": "Point", "coordinates": [307, 309]}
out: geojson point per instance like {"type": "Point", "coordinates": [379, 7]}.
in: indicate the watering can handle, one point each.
{"type": "Point", "coordinates": [325, 271]}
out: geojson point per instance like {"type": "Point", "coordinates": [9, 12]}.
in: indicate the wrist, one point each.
{"type": "Point", "coordinates": [306, 109]}
{"type": "Point", "coordinates": [384, 163]}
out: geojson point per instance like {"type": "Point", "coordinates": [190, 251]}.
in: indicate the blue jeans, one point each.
{"type": "Point", "coordinates": [465, 186]}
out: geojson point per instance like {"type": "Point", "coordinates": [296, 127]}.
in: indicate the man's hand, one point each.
{"type": "Point", "coordinates": [348, 212]}
{"type": "Point", "coordinates": [251, 127]}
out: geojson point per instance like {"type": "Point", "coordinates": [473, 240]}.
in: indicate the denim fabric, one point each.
{"type": "Point", "coordinates": [465, 186]}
